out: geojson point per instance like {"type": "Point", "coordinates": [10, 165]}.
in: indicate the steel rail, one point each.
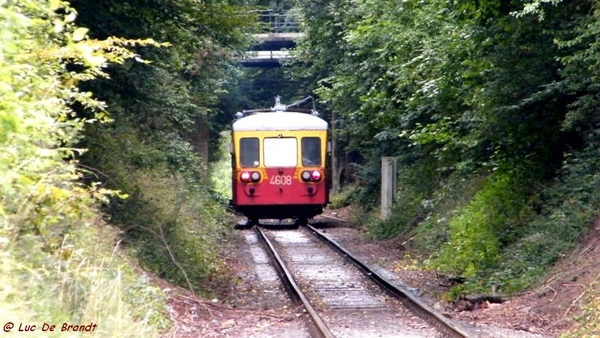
{"type": "Point", "coordinates": [397, 290]}
{"type": "Point", "coordinates": [293, 287]}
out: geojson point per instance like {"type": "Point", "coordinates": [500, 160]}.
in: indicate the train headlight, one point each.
{"type": "Point", "coordinates": [306, 175]}
{"type": "Point", "coordinates": [255, 176]}
{"type": "Point", "coordinates": [245, 176]}
{"type": "Point", "coordinates": [316, 175]}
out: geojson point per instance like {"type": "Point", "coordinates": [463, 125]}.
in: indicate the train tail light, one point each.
{"type": "Point", "coordinates": [247, 176]}
{"type": "Point", "coordinates": [314, 175]}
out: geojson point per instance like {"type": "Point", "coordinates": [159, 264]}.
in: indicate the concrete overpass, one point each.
{"type": "Point", "coordinates": [281, 34]}
{"type": "Point", "coordinates": [264, 58]}
{"type": "Point", "coordinates": [276, 41]}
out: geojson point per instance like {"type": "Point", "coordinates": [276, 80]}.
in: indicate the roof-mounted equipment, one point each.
{"type": "Point", "coordinates": [280, 107]}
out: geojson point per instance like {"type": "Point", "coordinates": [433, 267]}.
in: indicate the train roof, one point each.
{"type": "Point", "coordinates": [279, 121]}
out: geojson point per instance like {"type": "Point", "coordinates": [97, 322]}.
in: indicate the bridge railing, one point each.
{"type": "Point", "coordinates": [278, 22]}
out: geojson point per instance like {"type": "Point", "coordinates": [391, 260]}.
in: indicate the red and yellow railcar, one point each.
{"type": "Point", "coordinates": [279, 164]}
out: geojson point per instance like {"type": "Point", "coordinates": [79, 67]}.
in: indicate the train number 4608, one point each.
{"type": "Point", "coordinates": [281, 180]}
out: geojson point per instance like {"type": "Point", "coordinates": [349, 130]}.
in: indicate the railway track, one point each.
{"type": "Point", "coordinates": [343, 296]}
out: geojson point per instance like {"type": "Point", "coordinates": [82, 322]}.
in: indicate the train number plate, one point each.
{"type": "Point", "coordinates": [281, 180]}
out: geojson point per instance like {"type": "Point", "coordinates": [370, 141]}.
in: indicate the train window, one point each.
{"type": "Point", "coordinates": [311, 151]}
{"type": "Point", "coordinates": [249, 152]}
{"type": "Point", "coordinates": [281, 152]}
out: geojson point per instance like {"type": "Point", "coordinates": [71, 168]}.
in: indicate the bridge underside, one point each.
{"type": "Point", "coordinates": [265, 59]}
{"type": "Point", "coordinates": [282, 30]}
{"type": "Point", "coordinates": [270, 50]}
{"type": "Point", "coordinates": [276, 41]}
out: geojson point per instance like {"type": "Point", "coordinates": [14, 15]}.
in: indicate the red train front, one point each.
{"type": "Point", "coordinates": [279, 164]}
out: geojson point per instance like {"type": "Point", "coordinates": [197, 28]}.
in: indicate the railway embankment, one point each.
{"type": "Point", "coordinates": [253, 305]}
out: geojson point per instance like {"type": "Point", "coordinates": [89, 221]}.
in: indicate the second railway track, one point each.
{"type": "Point", "coordinates": [343, 296]}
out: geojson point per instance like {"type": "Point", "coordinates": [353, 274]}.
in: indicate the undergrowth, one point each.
{"type": "Point", "coordinates": [172, 220]}
{"type": "Point", "coordinates": [480, 231]}
{"type": "Point", "coordinates": [587, 323]}
{"type": "Point", "coordinates": [173, 230]}
{"type": "Point", "coordinates": [414, 190]}
{"type": "Point", "coordinates": [59, 263]}
{"type": "Point", "coordinates": [499, 231]}
{"type": "Point", "coordinates": [220, 171]}
{"type": "Point", "coordinates": [344, 198]}
{"type": "Point", "coordinates": [85, 282]}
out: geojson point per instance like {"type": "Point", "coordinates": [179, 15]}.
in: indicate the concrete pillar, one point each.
{"type": "Point", "coordinates": [388, 185]}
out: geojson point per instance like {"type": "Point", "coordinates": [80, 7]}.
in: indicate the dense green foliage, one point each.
{"type": "Point", "coordinates": [165, 113]}
{"type": "Point", "coordinates": [491, 109]}
{"type": "Point", "coordinates": [58, 260]}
